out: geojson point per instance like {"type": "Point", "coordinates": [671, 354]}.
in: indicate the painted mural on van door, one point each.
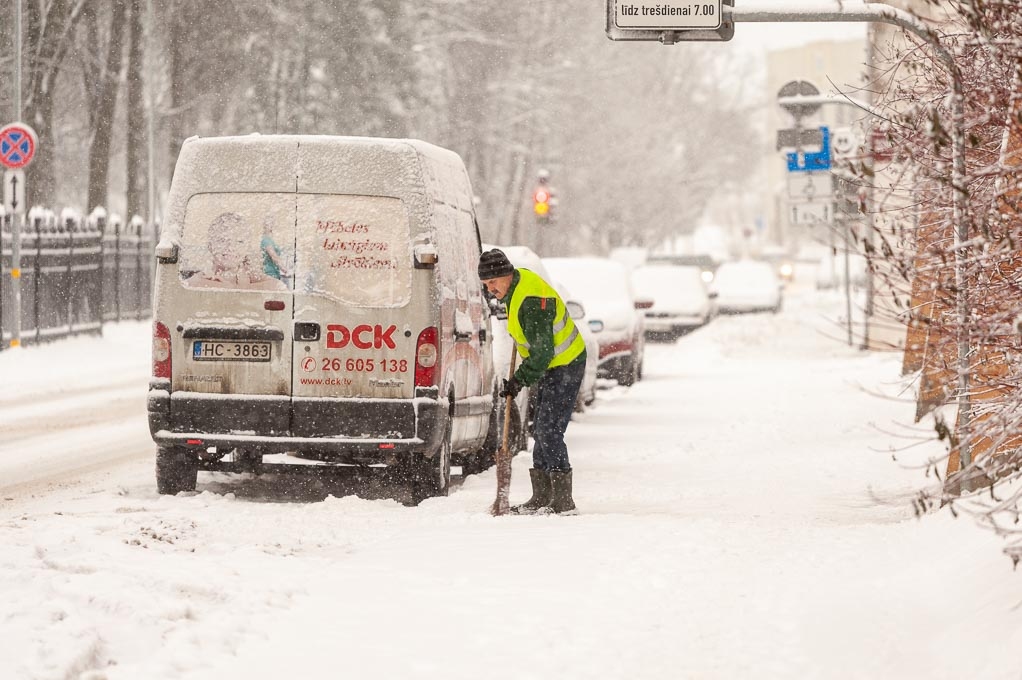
{"type": "Point", "coordinates": [353, 249]}
{"type": "Point", "coordinates": [238, 242]}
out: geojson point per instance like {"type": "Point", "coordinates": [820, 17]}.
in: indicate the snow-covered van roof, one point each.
{"type": "Point", "coordinates": [408, 169]}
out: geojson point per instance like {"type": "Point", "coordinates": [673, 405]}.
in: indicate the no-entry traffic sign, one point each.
{"type": "Point", "coordinates": [17, 145]}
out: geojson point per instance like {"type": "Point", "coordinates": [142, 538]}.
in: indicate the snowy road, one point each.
{"type": "Point", "coordinates": [741, 517]}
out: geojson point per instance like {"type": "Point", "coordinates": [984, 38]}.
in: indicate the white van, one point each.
{"type": "Point", "coordinates": [317, 301]}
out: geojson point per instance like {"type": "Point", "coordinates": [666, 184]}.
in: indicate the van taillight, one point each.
{"type": "Point", "coordinates": [425, 358]}
{"type": "Point", "coordinates": [161, 351]}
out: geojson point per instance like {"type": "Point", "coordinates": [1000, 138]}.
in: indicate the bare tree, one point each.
{"type": "Point", "coordinates": [49, 33]}
{"type": "Point", "coordinates": [915, 249]}
{"type": "Point", "coordinates": [102, 74]}
{"type": "Point", "coordinates": [136, 170]}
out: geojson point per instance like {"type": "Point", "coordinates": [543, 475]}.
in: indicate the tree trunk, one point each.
{"type": "Point", "coordinates": [105, 107]}
{"type": "Point", "coordinates": [176, 70]}
{"type": "Point", "coordinates": [137, 155]}
{"type": "Point", "coordinates": [47, 36]}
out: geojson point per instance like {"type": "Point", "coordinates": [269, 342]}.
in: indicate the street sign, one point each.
{"type": "Point", "coordinates": [799, 138]}
{"type": "Point", "coordinates": [794, 88]}
{"type": "Point", "coordinates": [818, 160]}
{"type": "Point", "coordinates": [17, 145]}
{"type": "Point", "coordinates": [810, 186]}
{"type": "Point", "coordinates": [14, 191]}
{"type": "Point", "coordinates": [667, 15]}
{"type": "Point", "coordinates": [816, 212]}
{"type": "Point", "coordinates": [670, 21]}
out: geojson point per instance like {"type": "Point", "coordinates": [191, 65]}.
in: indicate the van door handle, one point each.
{"type": "Point", "coordinates": [462, 337]}
{"type": "Point", "coordinates": [306, 331]}
{"type": "Point", "coordinates": [482, 335]}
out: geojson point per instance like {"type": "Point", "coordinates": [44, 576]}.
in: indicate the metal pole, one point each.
{"type": "Point", "coordinates": [870, 290]}
{"type": "Point", "coordinates": [17, 60]}
{"type": "Point", "coordinates": [881, 13]}
{"type": "Point", "coordinates": [16, 218]}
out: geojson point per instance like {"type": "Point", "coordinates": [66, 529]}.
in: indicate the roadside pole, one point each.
{"type": "Point", "coordinates": [16, 216]}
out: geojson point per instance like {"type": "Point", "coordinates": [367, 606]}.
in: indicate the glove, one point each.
{"type": "Point", "coordinates": [511, 388]}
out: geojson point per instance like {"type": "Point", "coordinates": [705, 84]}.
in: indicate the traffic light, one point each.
{"type": "Point", "coordinates": [541, 202]}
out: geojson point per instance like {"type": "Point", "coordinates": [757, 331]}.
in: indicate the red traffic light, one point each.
{"type": "Point", "coordinates": [541, 202]}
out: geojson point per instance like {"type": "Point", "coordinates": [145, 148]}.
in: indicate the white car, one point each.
{"type": "Point", "coordinates": [586, 393]}
{"type": "Point", "coordinates": [605, 289]}
{"type": "Point", "coordinates": [522, 405]}
{"type": "Point", "coordinates": [680, 299]}
{"type": "Point", "coordinates": [748, 286]}
{"type": "Point", "coordinates": [831, 271]}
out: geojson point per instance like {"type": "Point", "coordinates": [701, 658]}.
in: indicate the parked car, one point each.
{"type": "Point", "coordinates": [830, 273]}
{"type": "Point", "coordinates": [748, 286]}
{"type": "Point", "coordinates": [781, 260]}
{"type": "Point", "coordinates": [587, 392]}
{"type": "Point", "coordinates": [377, 353]}
{"type": "Point", "coordinates": [523, 404]}
{"type": "Point", "coordinates": [707, 265]}
{"type": "Point", "coordinates": [603, 286]}
{"type": "Point", "coordinates": [681, 301]}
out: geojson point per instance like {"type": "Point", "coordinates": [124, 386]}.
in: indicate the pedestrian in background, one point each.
{"type": "Point", "coordinates": [553, 360]}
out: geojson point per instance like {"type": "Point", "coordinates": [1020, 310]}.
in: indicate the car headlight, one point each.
{"type": "Point", "coordinates": [707, 276]}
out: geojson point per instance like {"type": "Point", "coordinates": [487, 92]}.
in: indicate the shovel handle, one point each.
{"type": "Point", "coordinates": [501, 506]}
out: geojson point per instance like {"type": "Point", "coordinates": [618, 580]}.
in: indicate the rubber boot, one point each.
{"type": "Point", "coordinates": [540, 494]}
{"type": "Point", "coordinates": [561, 502]}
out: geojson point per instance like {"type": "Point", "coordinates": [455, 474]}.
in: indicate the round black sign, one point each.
{"type": "Point", "coordinates": [799, 88]}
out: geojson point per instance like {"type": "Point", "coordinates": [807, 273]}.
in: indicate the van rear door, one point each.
{"type": "Point", "coordinates": [355, 325]}
{"type": "Point", "coordinates": [232, 369]}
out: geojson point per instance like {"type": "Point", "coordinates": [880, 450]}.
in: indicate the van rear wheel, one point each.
{"type": "Point", "coordinates": [176, 470]}
{"type": "Point", "coordinates": [431, 477]}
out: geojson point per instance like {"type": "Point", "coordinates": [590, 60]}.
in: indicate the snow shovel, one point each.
{"type": "Point", "coordinates": [501, 506]}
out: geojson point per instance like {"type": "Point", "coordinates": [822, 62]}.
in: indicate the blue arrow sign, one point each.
{"type": "Point", "coordinates": [818, 160]}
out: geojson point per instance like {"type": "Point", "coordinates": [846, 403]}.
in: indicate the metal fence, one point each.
{"type": "Point", "coordinates": [75, 274]}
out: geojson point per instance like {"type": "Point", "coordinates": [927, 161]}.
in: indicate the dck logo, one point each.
{"type": "Point", "coordinates": [362, 337]}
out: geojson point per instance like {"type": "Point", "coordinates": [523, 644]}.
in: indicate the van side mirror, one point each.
{"type": "Point", "coordinates": [425, 255]}
{"type": "Point", "coordinates": [575, 310]}
{"type": "Point", "coordinates": [166, 253]}
{"type": "Point", "coordinates": [497, 308]}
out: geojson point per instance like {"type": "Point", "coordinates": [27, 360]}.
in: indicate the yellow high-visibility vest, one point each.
{"type": "Point", "coordinates": [568, 342]}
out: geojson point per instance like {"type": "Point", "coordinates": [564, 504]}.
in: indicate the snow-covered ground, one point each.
{"type": "Point", "coordinates": [742, 517]}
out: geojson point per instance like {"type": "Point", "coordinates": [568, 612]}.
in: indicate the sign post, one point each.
{"type": "Point", "coordinates": [17, 148]}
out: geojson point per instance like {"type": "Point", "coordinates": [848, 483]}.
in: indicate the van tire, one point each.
{"type": "Point", "coordinates": [177, 470]}
{"type": "Point", "coordinates": [431, 477]}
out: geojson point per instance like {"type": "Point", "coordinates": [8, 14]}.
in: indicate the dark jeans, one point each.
{"type": "Point", "coordinates": [556, 393]}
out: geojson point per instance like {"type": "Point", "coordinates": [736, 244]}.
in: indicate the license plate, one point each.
{"type": "Point", "coordinates": [230, 350]}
